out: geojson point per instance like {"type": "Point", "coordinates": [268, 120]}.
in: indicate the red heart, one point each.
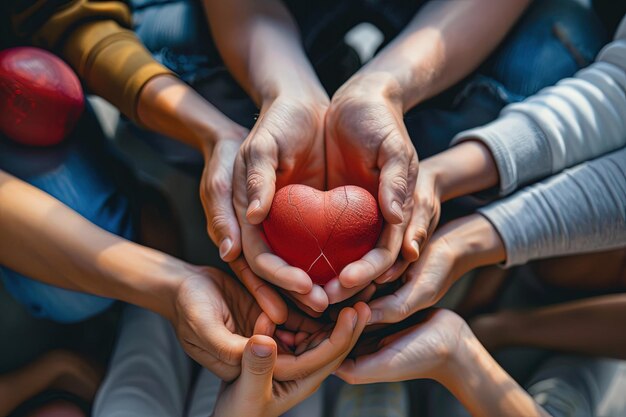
{"type": "Point", "coordinates": [322, 231]}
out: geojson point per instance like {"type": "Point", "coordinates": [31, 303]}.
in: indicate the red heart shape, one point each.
{"type": "Point", "coordinates": [321, 232]}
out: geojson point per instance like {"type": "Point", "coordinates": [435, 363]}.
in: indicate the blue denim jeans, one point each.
{"type": "Point", "coordinates": [81, 174]}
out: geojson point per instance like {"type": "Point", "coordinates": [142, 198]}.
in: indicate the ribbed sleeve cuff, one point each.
{"type": "Point", "coordinates": [519, 147]}
{"type": "Point", "coordinates": [499, 215]}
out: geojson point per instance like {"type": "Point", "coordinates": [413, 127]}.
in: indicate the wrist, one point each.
{"type": "Point", "coordinates": [463, 169]}
{"type": "Point", "coordinates": [473, 242]}
{"type": "Point", "coordinates": [147, 278]}
{"type": "Point", "coordinates": [367, 85]}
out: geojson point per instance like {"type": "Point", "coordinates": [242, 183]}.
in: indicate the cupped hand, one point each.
{"type": "Point", "coordinates": [425, 350]}
{"type": "Point", "coordinates": [258, 393]}
{"type": "Point", "coordinates": [216, 191]}
{"type": "Point", "coordinates": [286, 146]}
{"type": "Point", "coordinates": [367, 144]}
{"type": "Point", "coordinates": [456, 248]}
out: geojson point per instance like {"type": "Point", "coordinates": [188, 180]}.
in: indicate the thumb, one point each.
{"type": "Point", "coordinates": [257, 368]}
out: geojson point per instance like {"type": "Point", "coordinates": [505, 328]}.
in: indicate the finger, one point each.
{"type": "Point", "coordinates": [349, 326]}
{"type": "Point", "coordinates": [394, 159]}
{"type": "Point", "coordinates": [337, 292]}
{"type": "Point", "coordinates": [363, 316]}
{"type": "Point", "coordinates": [420, 228]}
{"type": "Point", "coordinates": [269, 266]}
{"type": "Point", "coordinates": [397, 269]}
{"type": "Point", "coordinates": [264, 326]}
{"type": "Point", "coordinates": [261, 159]}
{"type": "Point", "coordinates": [376, 261]}
{"type": "Point", "coordinates": [408, 299]}
{"type": "Point", "coordinates": [257, 367]}
{"type": "Point", "coordinates": [313, 303]}
{"type": "Point", "coordinates": [268, 299]}
{"type": "Point", "coordinates": [365, 295]}
{"type": "Point", "coordinates": [216, 194]}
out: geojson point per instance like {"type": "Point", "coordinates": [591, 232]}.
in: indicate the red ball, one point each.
{"type": "Point", "coordinates": [322, 232]}
{"type": "Point", "coordinates": [41, 97]}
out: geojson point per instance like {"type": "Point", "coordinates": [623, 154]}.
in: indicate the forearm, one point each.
{"type": "Point", "coordinates": [473, 242]}
{"type": "Point", "coordinates": [483, 387]}
{"type": "Point", "coordinates": [170, 107]}
{"type": "Point", "coordinates": [260, 43]}
{"type": "Point", "coordinates": [579, 119]}
{"type": "Point", "coordinates": [587, 327]}
{"type": "Point", "coordinates": [45, 240]}
{"type": "Point", "coordinates": [461, 170]}
{"type": "Point", "coordinates": [579, 210]}
{"type": "Point", "coordinates": [443, 43]}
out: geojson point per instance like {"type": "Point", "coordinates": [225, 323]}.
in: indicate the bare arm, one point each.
{"type": "Point", "coordinates": [588, 327]}
{"type": "Point", "coordinates": [443, 43]}
{"type": "Point", "coordinates": [39, 239]}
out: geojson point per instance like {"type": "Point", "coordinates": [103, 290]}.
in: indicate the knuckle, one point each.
{"type": "Point", "coordinates": [261, 366]}
{"type": "Point", "coordinates": [220, 184]}
{"type": "Point", "coordinates": [255, 180]}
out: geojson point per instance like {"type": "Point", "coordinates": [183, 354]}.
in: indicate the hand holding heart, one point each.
{"type": "Point", "coordinates": [285, 147]}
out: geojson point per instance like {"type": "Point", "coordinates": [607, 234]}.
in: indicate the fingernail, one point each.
{"type": "Point", "coordinates": [397, 209]}
{"type": "Point", "coordinates": [261, 351]}
{"type": "Point", "coordinates": [254, 206]}
{"type": "Point", "coordinates": [225, 247]}
{"type": "Point", "coordinates": [376, 317]}
{"type": "Point", "coordinates": [416, 246]}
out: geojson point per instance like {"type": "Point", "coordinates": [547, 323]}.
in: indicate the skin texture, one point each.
{"type": "Point", "coordinates": [362, 129]}
{"type": "Point", "coordinates": [456, 248]}
{"type": "Point", "coordinates": [212, 314]}
{"type": "Point", "coordinates": [443, 348]}
{"type": "Point", "coordinates": [587, 327]}
{"type": "Point", "coordinates": [257, 394]}
{"type": "Point", "coordinates": [286, 144]}
{"type": "Point", "coordinates": [366, 141]}
{"type": "Point", "coordinates": [58, 369]}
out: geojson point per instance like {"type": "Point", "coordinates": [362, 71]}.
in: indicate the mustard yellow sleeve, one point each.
{"type": "Point", "coordinates": [94, 38]}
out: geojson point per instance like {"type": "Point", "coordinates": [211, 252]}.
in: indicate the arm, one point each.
{"type": "Point", "coordinates": [580, 210]}
{"type": "Point", "coordinates": [38, 239]}
{"type": "Point", "coordinates": [443, 43]}
{"type": "Point", "coordinates": [586, 327]}
{"type": "Point", "coordinates": [57, 369]}
{"type": "Point", "coordinates": [579, 119]}
{"type": "Point", "coordinates": [95, 38]}
{"type": "Point", "coordinates": [260, 44]}
{"type": "Point", "coordinates": [443, 348]}
{"type": "Point", "coordinates": [367, 143]}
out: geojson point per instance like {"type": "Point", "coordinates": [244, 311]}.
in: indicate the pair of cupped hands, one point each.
{"type": "Point", "coordinates": [357, 138]}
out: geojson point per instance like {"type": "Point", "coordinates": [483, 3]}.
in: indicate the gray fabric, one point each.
{"type": "Point", "coordinates": [579, 119]}
{"type": "Point", "coordinates": [150, 374]}
{"type": "Point", "coordinates": [582, 209]}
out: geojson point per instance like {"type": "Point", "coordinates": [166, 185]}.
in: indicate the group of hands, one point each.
{"type": "Point", "coordinates": [270, 354]}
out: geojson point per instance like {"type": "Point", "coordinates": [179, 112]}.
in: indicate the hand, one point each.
{"type": "Point", "coordinates": [368, 145]}
{"type": "Point", "coordinates": [74, 373]}
{"type": "Point", "coordinates": [284, 147]}
{"type": "Point", "coordinates": [216, 191]}
{"type": "Point", "coordinates": [214, 316]}
{"type": "Point", "coordinates": [455, 249]}
{"type": "Point", "coordinates": [426, 350]}
{"type": "Point", "coordinates": [256, 394]}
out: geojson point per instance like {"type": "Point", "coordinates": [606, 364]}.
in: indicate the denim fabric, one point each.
{"type": "Point", "coordinates": [80, 173]}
